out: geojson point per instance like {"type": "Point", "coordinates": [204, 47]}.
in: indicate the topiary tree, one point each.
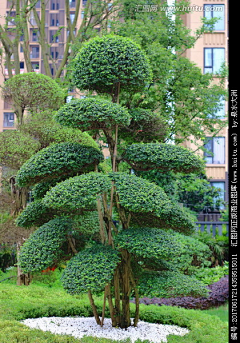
{"type": "Point", "coordinates": [32, 92]}
{"type": "Point", "coordinates": [130, 209]}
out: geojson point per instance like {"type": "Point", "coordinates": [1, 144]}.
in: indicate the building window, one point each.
{"type": "Point", "coordinates": [8, 119]}
{"type": "Point", "coordinates": [214, 150]}
{"type": "Point", "coordinates": [220, 185]}
{"type": "Point", "coordinates": [34, 52]}
{"type": "Point", "coordinates": [35, 66]}
{"type": "Point", "coordinates": [72, 3]}
{"type": "Point", "coordinates": [54, 37]}
{"type": "Point", "coordinates": [215, 11]}
{"type": "Point", "coordinates": [220, 111]}
{"type": "Point", "coordinates": [213, 59]}
{"type": "Point", "coordinates": [21, 65]}
{"type": "Point", "coordinates": [34, 36]}
{"type": "Point", "coordinates": [11, 16]}
{"type": "Point", "coordinates": [72, 16]}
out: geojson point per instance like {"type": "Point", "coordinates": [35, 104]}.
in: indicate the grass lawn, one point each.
{"type": "Point", "coordinates": [221, 312]}
{"type": "Point", "coordinates": [39, 300]}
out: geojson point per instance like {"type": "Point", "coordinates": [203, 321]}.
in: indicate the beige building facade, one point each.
{"type": "Point", "coordinates": [209, 52]}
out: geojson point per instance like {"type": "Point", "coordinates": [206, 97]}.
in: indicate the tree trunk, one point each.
{"type": "Point", "coordinates": [126, 290]}
{"type": "Point", "coordinates": [22, 278]}
{"type": "Point", "coordinates": [19, 197]}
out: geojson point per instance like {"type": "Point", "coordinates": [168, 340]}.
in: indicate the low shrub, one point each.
{"type": "Point", "coordinates": [170, 284]}
{"type": "Point", "coordinates": [219, 293]}
{"type": "Point", "coordinates": [211, 275]}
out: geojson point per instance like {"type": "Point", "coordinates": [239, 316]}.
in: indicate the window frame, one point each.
{"type": "Point", "coordinates": [212, 60]}
{"type": "Point", "coordinates": [6, 121]}
{"type": "Point", "coordinates": [210, 153]}
{"type": "Point", "coordinates": [212, 12]}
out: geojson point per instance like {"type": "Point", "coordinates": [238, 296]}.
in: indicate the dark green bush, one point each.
{"type": "Point", "coordinates": [57, 160]}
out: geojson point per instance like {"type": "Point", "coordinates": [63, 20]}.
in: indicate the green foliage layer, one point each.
{"type": "Point", "coordinates": [44, 245]}
{"type": "Point", "coordinates": [79, 192]}
{"type": "Point", "coordinates": [106, 61]}
{"type": "Point", "coordinates": [162, 156]}
{"type": "Point", "coordinates": [168, 249]}
{"type": "Point", "coordinates": [35, 214]}
{"type": "Point", "coordinates": [145, 126]}
{"type": "Point", "coordinates": [41, 188]}
{"type": "Point", "coordinates": [47, 131]}
{"type": "Point", "coordinates": [57, 160]}
{"type": "Point", "coordinates": [91, 269]}
{"type": "Point", "coordinates": [149, 201]}
{"type": "Point", "coordinates": [166, 284]}
{"type": "Point", "coordinates": [13, 155]}
{"type": "Point", "coordinates": [160, 244]}
{"type": "Point", "coordinates": [92, 113]}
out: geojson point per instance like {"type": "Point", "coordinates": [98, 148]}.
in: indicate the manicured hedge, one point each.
{"type": "Point", "coordinates": [162, 156]}
{"type": "Point", "coordinates": [92, 113]}
{"type": "Point", "coordinates": [44, 245]}
{"type": "Point", "coordinates": [106, 61]}
{"type": "Point", "coordinates": [91, 269]}
{"type": "Point", "coordinates": [57, 160]}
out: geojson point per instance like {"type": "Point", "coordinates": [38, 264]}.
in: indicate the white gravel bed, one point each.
{"type": "Point", "coordinates": [81, 326]}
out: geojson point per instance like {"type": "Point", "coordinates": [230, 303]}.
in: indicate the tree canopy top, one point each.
{"type": "Point", "coordinates": [34, 92]}
{"type": "Point", "coordinates": [107, 61]}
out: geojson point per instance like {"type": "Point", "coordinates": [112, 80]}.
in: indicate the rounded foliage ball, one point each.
{"type": "Point", "coordinates": [105, 62]}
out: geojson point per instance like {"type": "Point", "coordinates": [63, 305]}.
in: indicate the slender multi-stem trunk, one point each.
{"type": "Point", "coordinates": [117, 292]}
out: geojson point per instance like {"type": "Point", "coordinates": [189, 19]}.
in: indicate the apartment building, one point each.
{"type": "Point", "coordinates": [209, 52]}
{"type": "Point", "coordinates": [55, 18]}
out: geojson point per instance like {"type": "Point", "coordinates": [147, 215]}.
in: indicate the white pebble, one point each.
{"type": "Point", "coordinates": [81, 326]}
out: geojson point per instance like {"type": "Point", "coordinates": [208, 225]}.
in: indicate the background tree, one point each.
{"type": "Point", "coordinates": [194, 191]}
{"type": "Point", "coordinates": [114, 260]}
{"type": "Point", "coordinates": [33, 93]}
{"type": "Point", "coordinates": [96, 14]}
{"type": "Point", "coordinates": [187, 100]}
